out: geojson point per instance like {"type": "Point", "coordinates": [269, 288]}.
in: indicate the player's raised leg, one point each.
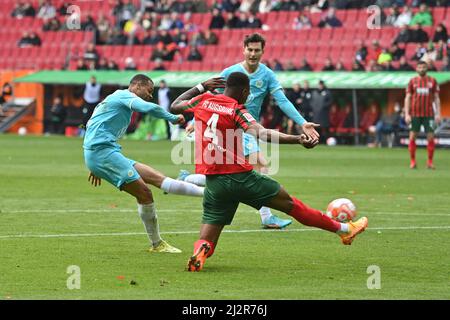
{"type": "Point", "coordinates": [315, 218]}
{"type": "Point", "coordinates": [169, 185]}
{"type": "Point", "coordinates": [148, 215]}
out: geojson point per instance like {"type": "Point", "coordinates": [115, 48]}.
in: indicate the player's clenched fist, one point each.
{"type": "Point", "coordinates": [180, 120]}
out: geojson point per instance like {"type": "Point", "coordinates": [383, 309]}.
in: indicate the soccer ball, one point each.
{"type": "Point", "coordinates": [342, 210]}
{"type": "Point", "coordinates": [22, 131]}
{"type": "Point", "coordinates": [331, 141]}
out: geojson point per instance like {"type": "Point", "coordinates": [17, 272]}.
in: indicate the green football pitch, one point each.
{"type": "Point", "coordinates": [51, 218]}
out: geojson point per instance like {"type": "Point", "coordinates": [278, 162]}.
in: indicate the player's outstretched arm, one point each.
{"type": "Point", "coordinates": [184, 100]}
{"type": "Point", "coordinates": [274, 136]}
{"type": "Point", "coordinates": [289, 110]}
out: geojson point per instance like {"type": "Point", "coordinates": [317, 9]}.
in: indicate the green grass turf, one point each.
{"type": "Point", "coordinates": [44, 191]}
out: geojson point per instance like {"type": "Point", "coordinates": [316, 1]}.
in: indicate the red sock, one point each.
{"type": "Point", "coordinates": [412, 149]}
{"type": "Point", "coordinates": [430, 148]}
{"type": "Point", "coordinates": [199, 243]}
{"type": "Point", "coordinates": [312, 217]}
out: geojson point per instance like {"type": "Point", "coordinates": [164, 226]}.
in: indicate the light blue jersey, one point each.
{"type": "Point", "coordinates": [262, 82]}
{"type": "Point", "coordinates": [112, 116]}
{"type": "Point", "coordinates": [107, 125]}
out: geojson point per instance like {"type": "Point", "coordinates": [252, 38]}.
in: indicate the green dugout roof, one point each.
{"type": "Point", "coordinates": [334, 80]}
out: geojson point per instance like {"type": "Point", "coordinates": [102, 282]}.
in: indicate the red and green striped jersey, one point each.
{"type": "Point", "coordinates": [422, 90]}
{"type": "Point", "coordinates": [219, 124]}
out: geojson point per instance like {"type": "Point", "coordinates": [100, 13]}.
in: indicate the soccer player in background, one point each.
{"type": "Point", "coordinates": [104, 159]}
{"type": "Point", "coordinates": [230, 179]}
{"type": "Point", "coordinates": [262, 82]}
{"type": "Point", "coordinates": [421, 92]}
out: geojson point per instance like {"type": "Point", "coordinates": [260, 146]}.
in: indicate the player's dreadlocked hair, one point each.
{"type": "Point", "coordinates": [238, 80]}
{"type": "Point", "coordinates": [254, 37]}
{"type": "Point", "coordinates": [140, 79]}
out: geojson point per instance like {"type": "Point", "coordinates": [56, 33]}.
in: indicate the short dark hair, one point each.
{"type": "Point", "coordinates": [422, 62]}
{"type": "Point", "coordinates": [254, 37]}
{"type": "Point", "coordinates": [140, 79]}
{"type": "Point", "coordinates": [238, 80]}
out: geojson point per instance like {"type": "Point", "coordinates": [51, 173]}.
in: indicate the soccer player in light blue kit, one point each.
{"type": "Point", "coordinates": [262, 82]}
{"type": "Point", "coordinates": [104, 159]}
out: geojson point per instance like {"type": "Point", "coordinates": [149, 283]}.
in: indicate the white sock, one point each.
{"type": "Point", "coordinates": [265, 213]}
{"type": "Point", "coordinates": [170, 185]}
{"type": "Point", "coordinates": [148, 216]}
{"type": "Point", "coordinates": [197, 179]}
{"type": "Point", "coordinates": [344, 228]}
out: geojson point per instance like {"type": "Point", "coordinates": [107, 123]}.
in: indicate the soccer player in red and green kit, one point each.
{"type": "Point", "coordinates": [421, 92]}
{"type": "Point", "coordinates": [220, 121]}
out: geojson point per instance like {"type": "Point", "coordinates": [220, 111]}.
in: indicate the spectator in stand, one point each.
{"type": "Point", "coordinates": [420, 51]}
{"type": "Point", "coordinates": [404, 18]}
{"type": "Point", "coordinates": [232, 21]}
{"type": "Point", "coordinates": [180, 38]}
{"type": "Point", "coordinates": [265, 6]}
{"type": "Point", "coordinates": [217, 20]}
{"type": "Point", "coordinates": [423, 17]}
{"type": "Point", "coordinates": [194, 54]}
{"type": "Point", "coordinates": [165, 37]}
{"type": "Point", "coordinates": [396, 52]}
{"type": "Point", "coordinates": [197, 39]}
{"type": "Point", "coordinates": [90, 54]}
{"type": "Point", "coordinates": [340, 66]}
{"type": "Point", "coordinates": [89, 24]}
{"type": "Point", "coordinates": [159, 66]}
{"type": "Point", "coordinates": [374, 52]}
{"type": "Point", "coordinates": [391, 19]}
{"type": "Point", "coordinates": [321, 102]}
{"type": "Point", "coordinates": [46, 11]}
{"type": "Point", "coordinates": [404, 66]}
{"type": "Point", "coordinates": [301, 22]}
{"type": "Point", "coordinates": [418, 34]}
{"type": "Point", "coordinates": [372, 66]}
{"type": "Point", "coordinates": [305, 106]}
{"type": "Point", "coordinates": [329, 20]}
{"type": "Point", "coordinates": [328, 65]}
{"type": "Point", "coordinates": [304, 65]}
{"type": "Point", "coordinates": [51, 25]}
{"type": "Point", "coordinates": [63, 8]}
{"type": "Point", "coordinates": [177, 23]}
{"type": "Point", "coordinates": [23, 10]}
{"type": "Point", "coordinates": [440, 34]}
{"type": "Point", "coordinates": [58, 115]}
{"type": "Point", "coordinates": [335, 118]}
{"type": "Point", "coordinates": [290, 5]}
{"type": "Point", "coordinates": [446, 64]}
{"type": "Point", "coordinates": [159, 52]}
{"type": "Point", "coordinates": [102, 64]}
{"type": "Point", "coordinates": [242, 21]}
{"type": "Point", "coordinates": [199, 6]}
{"type": "Point", "coordinates": [246, 5]}
{"type": "Point", "coordinates": [431, 53]}
{"type": "Point", "coordinates": [277, 65]}
{"type": "Point", "coordinates": [361, 53]}
{"type": "Point", "coordinates": [210, 37]}
{"type": "Point", "coordinates": [253, 22]}
{"type": "Point", "coordinates": [147, 21]}
{"type": "Point", "coordinates": [230, 5]}
{"type": "Point", "coordinates": [81, 65]}
{"type": "Point", "coordinates": [166, 22]}
{"type": "Point", "coordinates": [130, 64]}
{"type": "Point", "coordinates": [116, 37]}
{"type": "Point", "coordinates": [112, 65]}
{"type": "Point", "coordinates": [290, 66]}
{"type": "Point", "coordinates": [151, 37]}
{"type": "Point", "coordinates": [319, 6]}
{"type": "Point", "coordinates": [384, 57]}
{"type": "Point", "coordinates": [404, 36]}
{"type": "Point", "coordinates": [25, 40]}
{"type": "Point", "coordinates": [357, 66]}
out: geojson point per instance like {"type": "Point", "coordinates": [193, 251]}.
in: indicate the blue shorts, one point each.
{"type": "Point", "coordinates": [111, 165]}
{"type": "Point", "coordinates": [250, 144]}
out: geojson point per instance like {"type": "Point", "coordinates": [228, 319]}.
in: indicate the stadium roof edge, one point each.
{"type": "Point", "coordinates": [334, 80]}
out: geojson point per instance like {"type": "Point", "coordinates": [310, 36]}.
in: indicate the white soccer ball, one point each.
{"type": "Point", "coordinates": [342, 210]}
{"type": "Point", "coordinates": [331, 141]}
{"type": "Point", "coordinates": [22, 131]}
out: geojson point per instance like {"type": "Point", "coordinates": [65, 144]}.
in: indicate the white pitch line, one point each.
{"type": "Point", "coordinates": [199, 211]}
{"type": "Point", "coordinates": [121, 234]}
